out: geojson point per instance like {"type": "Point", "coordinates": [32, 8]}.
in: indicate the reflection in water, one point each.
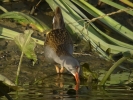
{"type": "Point", "coordinates": [59, 80]}
{"type": "Point", "coordinates": [60, 87]}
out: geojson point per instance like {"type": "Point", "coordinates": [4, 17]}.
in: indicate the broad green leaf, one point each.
{"type": "Point", "coordinates": [26, 44]}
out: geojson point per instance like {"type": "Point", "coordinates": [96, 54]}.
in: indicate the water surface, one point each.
{"type": "Point", "coordinates": [60, 87]}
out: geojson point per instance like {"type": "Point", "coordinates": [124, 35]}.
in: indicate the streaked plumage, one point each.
{"type": "Point", "coordinates": [60, 41]}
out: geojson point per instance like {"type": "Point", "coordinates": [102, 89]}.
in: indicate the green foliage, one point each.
{"type": "Point", "coordinates": [10, 34]}
{"type": "Point", "coordinates": [88, 74]}
{"type": "Point", "coordinates": [129, 3]}
{"type": "Point", "coordinates": [126, 55]}
{"type": "Point", "coordinates": [25, 20]}
{"type": "Point", "coordinates": [26, 44]}
{"type": "Point", "coordinates": [118, 6]}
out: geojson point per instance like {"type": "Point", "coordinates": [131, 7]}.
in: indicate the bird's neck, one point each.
{"type": "Point", "coordinates": [68, 60]}
{"type": "Point", "coordinates": [63, 59]}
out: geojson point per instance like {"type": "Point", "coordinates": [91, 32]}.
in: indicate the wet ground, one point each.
{"type": "Point", "coordinates": [10, 54]}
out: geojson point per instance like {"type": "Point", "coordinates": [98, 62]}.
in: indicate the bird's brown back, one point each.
{"type": "Point", "coordinates": [59, 40]}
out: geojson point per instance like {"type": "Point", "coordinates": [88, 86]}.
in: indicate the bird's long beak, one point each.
{"type": "Point", "coordinates": [77, 80]}
{"type": "Point", "coordinates": [77, 77]}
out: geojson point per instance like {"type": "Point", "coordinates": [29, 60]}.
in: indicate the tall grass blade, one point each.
{"type": "Point", "coordinates": [113, 4]}
{"type": "Point", "coordinates": [96, 30]}
{"type": "Point", "coordinates": [106, 20]}
{"type": "Point", "coordinates": [127, 2]}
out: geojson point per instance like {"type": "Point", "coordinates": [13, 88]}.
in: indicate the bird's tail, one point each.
{"type": "Point", "coordinates": [58, 21]}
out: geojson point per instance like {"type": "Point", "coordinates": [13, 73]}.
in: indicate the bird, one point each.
{"type": "Point", "coordinates": [58, 47]}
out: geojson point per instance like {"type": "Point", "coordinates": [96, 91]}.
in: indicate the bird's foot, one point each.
{"type": "Point", "coordinates": [58, 70]}
{"type": "Point", "coordinates": [61, 70]}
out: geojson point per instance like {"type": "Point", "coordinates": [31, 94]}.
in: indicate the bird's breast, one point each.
{"type": "Point", "coordinates": [50, 54]}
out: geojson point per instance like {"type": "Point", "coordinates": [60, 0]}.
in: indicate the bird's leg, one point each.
{"type": "Point", "coordinates": [57, 69]}
{"type": "Point", "coordinates": [62, 69]}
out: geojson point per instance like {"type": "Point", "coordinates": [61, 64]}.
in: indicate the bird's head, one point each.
{"type": "Point", "coordinates": [73, 66]}
{"type": "Point", "coordinates": [58, 21]}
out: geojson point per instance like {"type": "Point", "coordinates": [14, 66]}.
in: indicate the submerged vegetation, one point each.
{"type": "Point", "coordinates": [75, 13]}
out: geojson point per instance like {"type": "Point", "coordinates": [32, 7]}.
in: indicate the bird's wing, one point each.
{"type": "Point", "coordinates": [60, 41]}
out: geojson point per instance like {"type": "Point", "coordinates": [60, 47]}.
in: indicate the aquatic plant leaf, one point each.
{"type": "Point", "coordinates": [126, 55]}
{"type": "Point", "coordinates": [116, 79]}
{"type": "Point", "coordinates": [93, 11]}
{"type": "Point", "coordinates": [129, 3]}
{"type": "Point", "coordinates": [26, 44]}
{"type": "Point", "coordinates": [4, 37]}
{"type": "Point", "coordinates": [88, 74]}
{"type": "Point", "coordinates": [25, 20]}
{"type": "Point", "coordinates": [118, 6]}
{"type": "Point", "coordinates": [6, 80]}
{"type": "Point", "coordinates": [10, 34]}
{"type": "Point", "coordinates": [3, 9]}
{"type": "Point", "coordinates": [6, 83]}
{"type": "Point", "coordinates": [106, 20]}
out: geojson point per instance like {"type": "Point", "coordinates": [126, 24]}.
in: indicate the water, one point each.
{"type": "Point", "coordinates": [61, 88]}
